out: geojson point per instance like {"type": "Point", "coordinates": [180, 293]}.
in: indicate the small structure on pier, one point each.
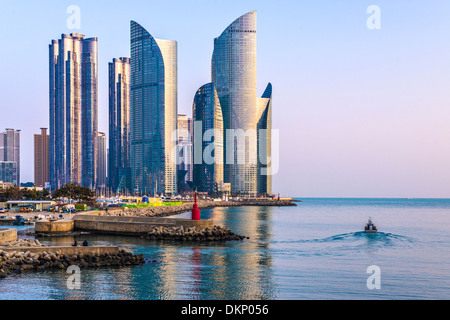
{"type": "Point", "coordinates": [195, 209]}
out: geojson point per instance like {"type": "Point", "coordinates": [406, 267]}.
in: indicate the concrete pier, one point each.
{"type": "Point", "coordinates": [8, 234]}
{"type": "Point", "coordinates": [58, 226]}
{"type": "Point", "coordinates": [97, 222]}
{"type": "Point", "coordinates": [141, 221]}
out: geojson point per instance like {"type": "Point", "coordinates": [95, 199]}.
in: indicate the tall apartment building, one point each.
{"type": "Point", "coordinates": [184, 127]}
{"type": "Point", "coordinates": [184, 150]}
{"type": "Point", "coordinates": [119, 125]}
{"type": "Point", "coordinates": [73, 110]}
{"type": "Point", "coordinates": [10, 156]}
{"type": "Point", "coordinates": [41, 158]}
{"type": "Point", "coordinates": [101, 161]}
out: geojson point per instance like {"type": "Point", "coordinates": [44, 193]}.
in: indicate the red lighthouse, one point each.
{"type": "Point", "coordinates": [195, 209]}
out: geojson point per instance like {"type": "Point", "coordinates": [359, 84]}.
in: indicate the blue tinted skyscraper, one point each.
{"type": "Point", "coordinates": [264, 130]}
{"type": "Point", "coordinates": [73, 110]}
{"type": "Point", "coordinates": [10, 156]}
{"type": "Point", "coordinates": [101, 161]}
{"type": "Point", "coordinates": [153, 113]}
{"type": "Point", "coordinates": [119, 125]}
{"type": "Point", "coordinates": [208, 139]}
{"type": "Point", "coordinates": [89, 113]}
{"type": "Point", "coordinates": [184, 150]}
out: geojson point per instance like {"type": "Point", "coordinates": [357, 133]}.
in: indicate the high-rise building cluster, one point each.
{"type": "Point", "coordinates": [230, 104]}
{"type": "Point", "coordinates": [224, 146]}
{"type": "Point", "coordinates": [73, 111]}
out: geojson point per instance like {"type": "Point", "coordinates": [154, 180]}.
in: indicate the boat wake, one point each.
{"type": "Point", "coordinates": [380, 238]}
{"type": "Point", "coordinates": [344, 244]}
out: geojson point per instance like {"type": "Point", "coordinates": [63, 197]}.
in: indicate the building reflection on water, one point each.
{"type": "Point", "coordinates": [230, 270]}
{"type": "Point", "coordinates": [209, 271]}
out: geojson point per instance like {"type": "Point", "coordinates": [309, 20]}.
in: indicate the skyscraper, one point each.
{"type": "Point", "coordinates": [234, 77]}
{"type": "Point", "coordinates": [184, 149]}
{"type": "Point", "coordinates": [10, 156]}
{"type": "Point", "coordinates": [184, 127]}
{"type": "Point", "coordinates": [41, 158]}
{"type": "Point", "coordinates": [153, 113]}
{"type": "Point", "coordinates": [119, 125]}
{"type": "Point", "coordinates": [101, 161]}
{"type": "Point", "coordinates": [208, 139]}
{"type": "Point", "coordinates": [73, 110]}
{"type": "Point", "coordinates": [264, 129]}
{"type": "Point", "coordinates": [89, 112]}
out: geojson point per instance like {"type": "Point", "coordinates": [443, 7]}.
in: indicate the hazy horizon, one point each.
{"type": "Point", "coordinates": [361, 113]}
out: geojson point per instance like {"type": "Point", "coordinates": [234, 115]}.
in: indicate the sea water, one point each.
{"type": "Point", "coordinates": [316, 250]}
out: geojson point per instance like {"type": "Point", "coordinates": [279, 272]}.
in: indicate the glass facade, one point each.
{"type": "Point", "coordinates": [73, 110]}
{"type": "Point", "coordinates": [101, 161]}
{"type": "Point", "coordinates": [10, 156]}
{"type": "Point", "coordinates": [8, 172]}
{"type": "Point", "coordinates": [208, 133]}
{"type": "Point", "coordinates": [89, 113]}
{"type": "Point", "coordinates": [153, 113]}
{"type": "Point", "coordinates": [265, 141]}
{"type": "Point", "coordinates": [234, 77]}
{"type": "Point", "coordinates": [184, 166]}
{"type": "Point", "coordinates": [119, 124]}
{"type": "Point", "coordinates": [184, 149]}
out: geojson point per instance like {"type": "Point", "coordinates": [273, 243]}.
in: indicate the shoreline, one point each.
{"type": "Point", "coordinates": [153, 211]}
{"type": "Point", "coordinates": [164, 211]}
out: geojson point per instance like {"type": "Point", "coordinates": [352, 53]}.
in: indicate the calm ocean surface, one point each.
{"type": "Point", "coordinates": [313, 251]}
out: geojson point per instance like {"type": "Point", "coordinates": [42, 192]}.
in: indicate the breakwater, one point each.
{"type": "Point", "coordinates": [20, 255]}
{"type": "Point", "coordinates": [144, 221]}
{"type": "Point", "coordinates": [21, 243]}
{"type": "Point", "coordinates": [180, 233]}
{"type": "Point", "coordinates": [154, 228]}
{"type": "Point", "coordinates": [8, 234]}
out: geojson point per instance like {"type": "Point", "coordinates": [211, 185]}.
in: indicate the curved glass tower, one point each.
{"type": "Point", "coordinates": [208, 161]}
{"type": "Point", "coordinates": [153, 113]}
{"type": "Point", "coordinates": [234, 76]}
{"type": "Point", "coordinates": [264, 128]}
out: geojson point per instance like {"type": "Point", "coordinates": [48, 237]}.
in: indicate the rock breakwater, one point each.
{"type": "Point", "coordinates": [21, 243]}
{"type": "Point", "coordinates": [215, 233]}
{"type": "Point", "coordinates": [17, 261]}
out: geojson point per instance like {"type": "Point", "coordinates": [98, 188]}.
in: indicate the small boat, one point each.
{"type": "Point", "coordinates": [20, 221]}
{"type": "Point", "coordinates": [370, 227]}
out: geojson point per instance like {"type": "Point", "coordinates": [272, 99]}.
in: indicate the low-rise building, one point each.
{"type": "Point", "coordinates": [5, 185]}
{"type": "Point", "coordinates": [29, 205]}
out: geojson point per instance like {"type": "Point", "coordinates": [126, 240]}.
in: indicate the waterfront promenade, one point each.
{"type": "Point", "coordinates": [152, 221]}
{"type": "Point", "coordinates": [163, 211]}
